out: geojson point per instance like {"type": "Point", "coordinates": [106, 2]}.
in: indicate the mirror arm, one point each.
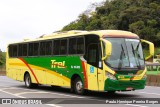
{"type": "Point", "coordinates": [151, 48]}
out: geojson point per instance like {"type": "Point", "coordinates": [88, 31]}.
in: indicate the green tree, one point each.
{"type": "Point", "coordinates": [138, 16]}
{"type": "Point", "coordinates": [1, 58]}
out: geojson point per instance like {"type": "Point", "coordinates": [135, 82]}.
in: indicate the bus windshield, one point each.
{"type": "Point", "coordinates": [126, 53]}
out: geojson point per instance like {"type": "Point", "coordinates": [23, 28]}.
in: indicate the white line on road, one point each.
{"type": "Point", "coordinates": [150, 93]}
{"type": "Point", "coordinates": [53, 105]}
{"type": "Point", "coordinates": [43, 92]}
{"type": "Point", "coordinates": [29, 93]}
{"type": "Point", "coordinates": [135, 105]}
{"type": "Point", "coordinates": [12, 94]}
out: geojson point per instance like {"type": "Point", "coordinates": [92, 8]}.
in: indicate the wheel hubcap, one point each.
{"type": "Point", "coordinates": [27, 81]}
{"type": "Point", "coordinates": [79, 86]}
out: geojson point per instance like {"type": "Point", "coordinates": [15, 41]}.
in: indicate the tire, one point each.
{"type": "Point", "coordinates": [28, 81]}
{"type": "Point", "coordinates": [78, 86]}
{"type": "Point", "coordinates": [111, 92]}
{"type": "Point", "coordinates": [55, 87]}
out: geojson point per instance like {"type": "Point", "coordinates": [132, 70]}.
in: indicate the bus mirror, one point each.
{"type": "Point", "coordinates": [151, 48]}
{"type": "Point", "coordinates": [106, 48]}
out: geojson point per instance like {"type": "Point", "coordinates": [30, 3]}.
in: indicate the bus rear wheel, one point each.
{"type": "Point", "coordinates": [78, 86]}
{"type": "Point", "coordinates": [28, 82]}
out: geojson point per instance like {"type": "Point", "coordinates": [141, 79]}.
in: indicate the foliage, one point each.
{"type": "Point", "coordinates": [138, 16]}
{"type": "Point", "coordinates": [2, 58]}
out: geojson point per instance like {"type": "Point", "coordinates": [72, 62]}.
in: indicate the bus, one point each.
{"type": "Point", "coordinates": [102, 60]}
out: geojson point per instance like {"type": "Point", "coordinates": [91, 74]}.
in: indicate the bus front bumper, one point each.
{"type": "Point", "coordinates": [116, 85]}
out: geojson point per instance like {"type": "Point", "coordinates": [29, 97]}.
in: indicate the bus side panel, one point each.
{"type": "Point", "coordinates": [16, 69]}
{"type": "Point", "coordinates": [58, 70]}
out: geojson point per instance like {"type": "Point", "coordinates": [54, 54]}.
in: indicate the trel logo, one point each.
{"type": "Point", "coordinates": [55, 64]}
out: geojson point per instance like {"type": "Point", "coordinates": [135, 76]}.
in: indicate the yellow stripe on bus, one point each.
{"type": "Point", "coordinates": [50, 71]}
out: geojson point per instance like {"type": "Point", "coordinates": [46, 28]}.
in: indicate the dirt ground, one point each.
{"type": "Point", "coordinates": [2, 73]}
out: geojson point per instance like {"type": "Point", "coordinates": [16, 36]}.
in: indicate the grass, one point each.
{"type": "Point", "coordinates": [153, 72]}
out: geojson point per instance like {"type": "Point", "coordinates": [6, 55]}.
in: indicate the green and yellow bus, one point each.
{"type": "Point", "coordinates": [104, 60]}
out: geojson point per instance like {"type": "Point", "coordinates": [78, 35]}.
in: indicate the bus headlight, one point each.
{"type": "Point", "coordinates": [111, 76]}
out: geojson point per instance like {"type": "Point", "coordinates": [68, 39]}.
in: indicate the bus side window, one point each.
{"type": "Point", "coordinates": [13, 50]}
{"type": "Point", "coordinates": [36, 49]}
{"type": "Point", "coordinates": [48, 47]}
{"type": "Point", "coordinates": [63, 47]}
{"type": "Point", "coordinates": [10, 50]}
{"type": "Point", "coordinates": [25, 49]}
{"type": "Point", "coordinates": [42, 48]}
{"type": "Point", "coordinates": [33, 49]}
{"type": "Point", "coordinates": [80, 45]}
{"type": "Point", "coordinates": [72, 46]}
{"type": "Point", "coordinates": [56, 47]}
{"type": "Point", "coordinates": [20, 49]}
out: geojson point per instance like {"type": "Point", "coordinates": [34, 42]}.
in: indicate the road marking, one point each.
{"type": "Point", "coordinates": [68, 95]}
{"type": "Point", "coordinates": [30, 93]}
{"type": "Point", "coordinates": [44, 92]}
{"type": "Point", "coordinates": [53, 105]}
{"type": "Point", "coordinates": [12, 94]}
{"type": "Point", "coordinates": [150, 93]}
{"type": "Point", "coordinates": [135, 105]}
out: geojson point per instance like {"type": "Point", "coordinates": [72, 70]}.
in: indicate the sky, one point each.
{"type": "Point", "coordinates": [28, 19]}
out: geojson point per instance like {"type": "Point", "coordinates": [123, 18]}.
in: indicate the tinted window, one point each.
{"type": "Point", "coordinates": [46, 48]}
{"type": "Point", "coordinates": [72, 46]}
{"type": "Point", "coordinates": [80, 45]}
{"type": "Point", "coordinates": [49, 48]}
{"type": "Point", "coordinates": [56, 47]}
{"type": "Point", "coordinates": [33, 49]}
{"type": "Point", "coordinates": [22, 50]}
{"type": "Point", "coordinates": [42, 48]}
{"type": "Point", "coordinates": [25, 49]}
{"type": "Point", "coordinates": [63, 47]}
{"type": "Point", "coordinates": [13, 50]}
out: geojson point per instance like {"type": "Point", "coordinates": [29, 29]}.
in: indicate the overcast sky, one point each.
{"type": "Point", "coordinates": [27, 19]}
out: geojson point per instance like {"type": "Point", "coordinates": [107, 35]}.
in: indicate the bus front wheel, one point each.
{"type": "Point", "coordinates": [78, 86]}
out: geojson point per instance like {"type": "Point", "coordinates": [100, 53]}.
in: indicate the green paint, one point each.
{"type": "Point", "coordinates": [115, 85]}
{"type": "Point", "coordinates": [65, 65]}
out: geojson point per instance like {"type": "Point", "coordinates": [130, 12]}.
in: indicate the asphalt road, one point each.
{"type": "Point", "coordinates": [14, 89]}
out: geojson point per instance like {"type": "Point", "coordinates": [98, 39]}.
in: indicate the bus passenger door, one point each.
{"type": "Point", "coordinates": [94, 73]}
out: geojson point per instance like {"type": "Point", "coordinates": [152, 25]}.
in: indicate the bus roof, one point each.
{"type": "Point", "coordinates": [101, 33]}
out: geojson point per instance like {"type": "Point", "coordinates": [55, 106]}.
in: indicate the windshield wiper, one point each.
{"type": "Point", "coordinates": [135, 56]}
{"type": "Point", "coordinates": [121, 56]}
